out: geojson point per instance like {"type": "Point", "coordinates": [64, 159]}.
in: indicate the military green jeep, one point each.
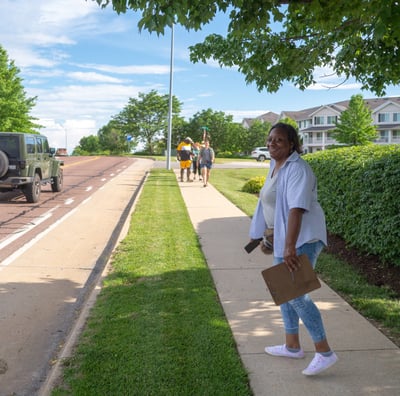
{"type": "Point", "coordinates": [27, 163]}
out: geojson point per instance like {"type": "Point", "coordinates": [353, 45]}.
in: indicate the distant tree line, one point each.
{"type": "Point", "coordinates": [144, 122]}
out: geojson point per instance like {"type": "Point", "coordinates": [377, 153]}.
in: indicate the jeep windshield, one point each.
{"type": "Point", "coordinates": [9, 145]}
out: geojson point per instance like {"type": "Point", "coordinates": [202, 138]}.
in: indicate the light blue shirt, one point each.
{"type": "Point", "coordinates": [296, 188]}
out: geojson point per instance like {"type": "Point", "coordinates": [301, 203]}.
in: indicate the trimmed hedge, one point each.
{"type": "Point", "coordinates": [359, 190]}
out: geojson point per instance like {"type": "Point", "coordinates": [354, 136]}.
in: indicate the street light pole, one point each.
{"type": "Point", "coordinates": [171, 74]}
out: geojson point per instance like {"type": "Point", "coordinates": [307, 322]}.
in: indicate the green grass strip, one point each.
{"type": "Point", "coordinates": [158, 327]}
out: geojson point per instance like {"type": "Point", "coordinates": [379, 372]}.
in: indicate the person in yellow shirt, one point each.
{"type": "Point", "coordinates": [184, 156]}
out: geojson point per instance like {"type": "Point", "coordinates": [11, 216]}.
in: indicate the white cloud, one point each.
{"type": "Point", "coordinates": [80, 110]}
{"type": "Point", "coordinates": [74, 101]}
{"type": "Point", "coordinates": [132, 69]}
{"type": "Point", "coordinates": [327, 79]}
{"type": "Point", "coordinates": [25, 58]}
{"type": "Point", "coordinates": [336, 86]}
{"type": "Point", "coordinates": [93, 77]}
{"type": "Point", "coordinates": [67, 133]}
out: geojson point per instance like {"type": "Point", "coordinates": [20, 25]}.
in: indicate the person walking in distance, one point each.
{"type": "Point", "coordinates": [288, 204]}
{"type": "Point", "coordinates": [206, 159]}
{"type": "Point", "coordinates": [195, 160]}
{"type": "Point", "coordinates": [184, 156]}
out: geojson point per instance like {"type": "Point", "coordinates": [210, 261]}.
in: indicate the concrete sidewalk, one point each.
{"type": "Point", "coordinates": [369, 363]}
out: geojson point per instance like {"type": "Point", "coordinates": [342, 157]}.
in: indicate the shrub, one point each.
{"type": "Point", "coordinates": [225, 154]}
{"type": "Point", "coordinates": [358, 188]}
{"type": "Point", "coordinates": [254, 185]}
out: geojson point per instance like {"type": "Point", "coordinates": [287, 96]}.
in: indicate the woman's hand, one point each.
{"type": "Point", "coordinates": [291, 259]}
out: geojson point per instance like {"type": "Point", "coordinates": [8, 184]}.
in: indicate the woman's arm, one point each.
{"type": "Point", "coordinates": [293, 230]}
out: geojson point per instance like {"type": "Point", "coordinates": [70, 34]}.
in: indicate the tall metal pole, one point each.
{"type": "Point", "coordinates": [171, 74]}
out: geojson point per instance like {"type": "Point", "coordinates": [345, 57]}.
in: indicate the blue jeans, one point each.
{"type": "Point", "coordinates": [303, 307]}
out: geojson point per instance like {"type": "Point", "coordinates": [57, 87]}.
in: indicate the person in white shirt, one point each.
{"type": "Point", "coordinates": [288, 204]}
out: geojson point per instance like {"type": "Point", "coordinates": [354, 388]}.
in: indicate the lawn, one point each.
{"type": "Point", "coordinates": [157, 327]}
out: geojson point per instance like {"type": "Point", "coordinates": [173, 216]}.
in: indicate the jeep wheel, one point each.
{"type": "Point", "coordinates": [32, 190]}
{"type": "Point", "coordinates": [261, 158]}
{"type": "Point", "coordinates": [57, 181]}
{"type": "Point", "coordinates": [3, 163]}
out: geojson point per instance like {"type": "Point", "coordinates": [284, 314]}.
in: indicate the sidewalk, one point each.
{"type": "Point", "coordinates": [369, 363]}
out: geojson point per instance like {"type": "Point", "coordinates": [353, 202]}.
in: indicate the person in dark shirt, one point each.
{"type": "Point", "coordinates": [184, 155]}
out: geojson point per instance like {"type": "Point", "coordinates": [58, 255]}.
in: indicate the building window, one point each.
{"type": "Point", "coordinates": [383, 137]}
{"type": "Point", "coordinates": [332, 120]}
{"type": "Point", "coordinates": [383, 117]}
{"type": "Point", "coordinates": [396, 117]}
{"type": "Point", "coordinates": [319, 120]}
{"type": "Point", "coordinates": [396, 136]}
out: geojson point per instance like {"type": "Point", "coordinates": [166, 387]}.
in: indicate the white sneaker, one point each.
{"type": "Point", "coordinates": [320, 363]}
{"type": "Point", "coordinates": [281, 350]}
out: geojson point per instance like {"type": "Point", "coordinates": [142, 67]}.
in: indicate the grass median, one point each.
{"type": "Point", "coordinates": [157, 327]}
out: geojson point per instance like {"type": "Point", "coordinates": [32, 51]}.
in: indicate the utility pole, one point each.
{"type": "Point", "coordinates": [171, 74]}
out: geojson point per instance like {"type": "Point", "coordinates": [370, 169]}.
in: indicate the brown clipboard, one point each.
{"type": "Point", "coordinates": [285, 285]}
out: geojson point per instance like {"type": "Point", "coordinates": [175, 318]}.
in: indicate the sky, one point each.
{"type": "Point", "coordinates": [83, 63]}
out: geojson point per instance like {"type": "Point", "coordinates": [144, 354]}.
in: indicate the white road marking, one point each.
{"type": "Point", "coordinates": [38, 237]}
{"type": "Point", "coordinates": [28, 227]}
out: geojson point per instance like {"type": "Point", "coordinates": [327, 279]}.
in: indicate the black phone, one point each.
{"type": "Point", "coordinates": [252, 245]}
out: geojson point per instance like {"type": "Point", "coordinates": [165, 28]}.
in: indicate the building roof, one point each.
{"type": "Point", "coordinates": [270, 117]}
{"type": "Point", "coordinates": [341, 106]}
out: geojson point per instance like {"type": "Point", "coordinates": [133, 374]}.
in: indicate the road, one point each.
{"type": "Point", "coordinates": [51, 255]}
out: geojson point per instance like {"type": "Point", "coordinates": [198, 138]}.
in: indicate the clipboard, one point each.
{"type": "Point", "coordinates": [285, 285]}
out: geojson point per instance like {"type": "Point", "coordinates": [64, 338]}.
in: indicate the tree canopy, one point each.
{"type": "Point", "coordinates": [272, 41]}
{"type": "Point", "coordinates": [218, 127]}
{"type": "Point", "coordinates": [355, 126]}
{"type": "Point", "coordinates": [146, 119]}
{"type": "Point", "coordinates": [14, 105]}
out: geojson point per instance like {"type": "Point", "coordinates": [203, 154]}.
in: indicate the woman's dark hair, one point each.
{"type": "Point", "coordinates": [292, 135]}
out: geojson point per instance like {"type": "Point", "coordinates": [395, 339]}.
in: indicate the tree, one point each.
{"type": "Point", "coordinates": [272, 41]}
{"type": "Point", "coordinates": [257, 135]}
{"type": "Point", "coordinates": [146, 118]}
{"type": "Point", "coordinates": [355, 126]}
{"type": "Point", "coordinates": [218, 128]}
{"type": "Point", "coordinates": [88, 144]}
{"type": "Point", "coordinates": [14, 105]}
{"type": "Point", "coordinates": [111, 138]}
{"type": "Point", "coordinates": [290, 121]}
{"type": "Point", "coordinates": [236, 138]}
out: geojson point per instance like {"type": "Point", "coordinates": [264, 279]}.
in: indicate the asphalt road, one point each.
{"type": "Point", "coordinates": [52, 254]}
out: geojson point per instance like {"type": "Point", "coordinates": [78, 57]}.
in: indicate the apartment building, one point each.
{"type": "Point", "coordinates": [317, 123]}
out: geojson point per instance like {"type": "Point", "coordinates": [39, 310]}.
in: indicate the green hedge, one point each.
{"type": "Point", "coordinates": [359, 190]}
